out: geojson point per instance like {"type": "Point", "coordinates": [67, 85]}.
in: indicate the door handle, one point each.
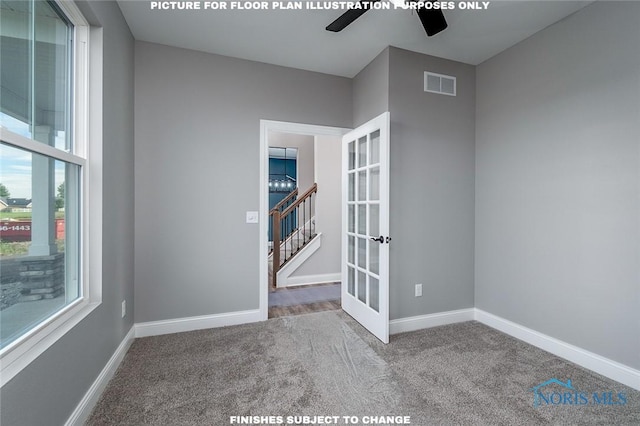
{"type": "Point", "coordinates": [379, 239]}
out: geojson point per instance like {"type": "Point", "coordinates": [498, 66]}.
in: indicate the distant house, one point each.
{"type": "Point", "coordinates": [16, 204]}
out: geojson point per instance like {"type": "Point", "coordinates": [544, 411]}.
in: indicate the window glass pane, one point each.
{"type": "Point", "coordinates": [362, 151]}
{"type": "Point", "coordinates": [374, 151]}
{"type": "Point", "coordinates": [351, 220]}
{"type": "Point", "coordinates": [51, 79]}
{"type": "Point", "coordinates": [374, 220]}
{"type": "Point", "coordinates": [374, 297]}
{"type": "Point", "coordinates": [362, 287]}
{"type": "Point", "coordinates": [362, 253]}
{"type": "Point", "coordinates": [15, 74]}
{"type": "Point", "coordinates": [352, 155]}
{"type": "Point", "coordinates": [351, 281]}
{"type": "Point", "coordinates": [362, 185]}
{"type": "Point", "coordinates": [374, 183]}
{"type": "Point", "coordinates": [352, 250]}
{"type": "Point", "coordinates": [39, 239]}
{"type": "Point", "coordinates": [36, 60]}
{"type": "Point", "coordinates": [374, 257]}
{"type": "Point", "coordinates": [362, 219]}
{"type": "Point", "coordinates": [352, 187]}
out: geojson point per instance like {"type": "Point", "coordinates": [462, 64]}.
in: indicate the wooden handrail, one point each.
{"type": "Point", "coordinates": [299, 201]}
{"type": "Point", "coordinates": [284, 201]}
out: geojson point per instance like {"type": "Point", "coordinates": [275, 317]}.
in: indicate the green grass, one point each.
{"type": "Point", "coordinates": [22, 248]}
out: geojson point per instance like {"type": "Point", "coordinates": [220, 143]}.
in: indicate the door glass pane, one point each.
{"type": "Point", "coordinates": [374, 220]}
{"type": "Point", "coordinates": [374, 257]}
{"type": "Point", "coordinates": [374, 151]}
{"type": "Point", "coordinates": [352, 187]}
{"type": "Point", "coordinates": [352, 250]}
{"type": "Point", "coordinates": [362, 253]}
{"type": "Point", "coordinates": [362, 287]}
{"type": "Point", "coordinates": [352, 155]}
{"type": "Point", "coordinates": [362, 185]}
{"type": "Point", "coordinates": [351, 220]}
{"type": "Point", "coordinates": [351, 281]}
{"type": "Point", "coordinates": [362, 151]}
{"type": "Point", "coordinates": [374, 296]}
{"type": "Point", "coordinates": [362, 219]}
{"type": "Point", "coordinates": [374, 183]}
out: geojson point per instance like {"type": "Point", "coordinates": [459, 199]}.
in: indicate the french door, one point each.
{"type": "Point", "coordinates": [365, 225]}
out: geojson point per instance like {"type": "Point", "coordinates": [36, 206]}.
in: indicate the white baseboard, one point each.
{"type": "Point", "coordinates": [419, 322]}
{"type": "Point", "coordinates": [178, 325]}
{"type": "Point", "coordinates": [599, 364]}
{"type": "Point", "coordinates": [312, 279]}
{"type": "Point", "coordinates": [84, 408]}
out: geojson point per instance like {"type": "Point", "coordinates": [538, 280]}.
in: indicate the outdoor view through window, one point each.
{"type": "Point", "coordinates": [40, 174]}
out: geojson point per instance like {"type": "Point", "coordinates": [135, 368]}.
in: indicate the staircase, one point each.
{"type": "Point", "coordinates": [298, 243]}
{"type": "Point", "coordinates": [293, 226]}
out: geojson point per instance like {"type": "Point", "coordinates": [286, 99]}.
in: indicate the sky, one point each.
{"type": "Point", "coordinates": [15, 164]}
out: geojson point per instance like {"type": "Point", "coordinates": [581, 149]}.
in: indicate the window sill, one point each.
{"type": "Point", "coordinates": [19, 354]}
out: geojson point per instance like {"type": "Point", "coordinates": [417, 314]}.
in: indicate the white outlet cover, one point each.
{"type": "Point", "coordinates": [252, 217]}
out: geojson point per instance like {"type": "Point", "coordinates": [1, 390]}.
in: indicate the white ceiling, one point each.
{"type": "Point", "coordinates": [298, 39]}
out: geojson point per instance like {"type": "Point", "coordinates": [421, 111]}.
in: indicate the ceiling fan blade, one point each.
{"type": "Point", "coordinates": [348, 17]}
{"type": "Point", "coordinates": [432, 20]}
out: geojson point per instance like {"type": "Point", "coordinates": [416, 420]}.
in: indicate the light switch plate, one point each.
{"type": "Point", "coordinates": [252, 217]}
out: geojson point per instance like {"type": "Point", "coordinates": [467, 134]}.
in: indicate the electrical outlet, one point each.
{"type": "Point", "coordinates": [124, 308]}
{"type": "Point", "coordinates": [418, 290]}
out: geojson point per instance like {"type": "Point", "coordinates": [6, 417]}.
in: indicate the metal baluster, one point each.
{"type": "Point", "coordinates": [304, 223]}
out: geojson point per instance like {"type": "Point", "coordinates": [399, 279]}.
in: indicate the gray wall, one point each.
{"type": "Point", "coordinates": [49, 389]}
{"type": "Point", "coordinates": [371, 90]}
{"type": "Point", "coordinates": [431, 187]}
{"type": "Point", "coordinates": [198, 118]}
{"type": "Point", "coordinates": [558, 182]}
{"type": "Point", "coordinates": [328, 213]}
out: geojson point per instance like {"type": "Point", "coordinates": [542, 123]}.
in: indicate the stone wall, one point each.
{"type": "Point", "coordinates": [29, 278]}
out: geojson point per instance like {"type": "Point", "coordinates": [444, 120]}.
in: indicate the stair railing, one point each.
{"type": "Point", "coordinates": [292, 227]}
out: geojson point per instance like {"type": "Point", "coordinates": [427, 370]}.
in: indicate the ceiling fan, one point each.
{"type": "Point", "coordinates": [432, 19]}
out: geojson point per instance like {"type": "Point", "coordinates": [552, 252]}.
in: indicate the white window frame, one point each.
{"type": "Point", "coordinates": [87, 133]}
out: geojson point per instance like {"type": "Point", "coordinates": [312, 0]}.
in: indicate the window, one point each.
{"type": "Point", "coordinates": [45, 237]}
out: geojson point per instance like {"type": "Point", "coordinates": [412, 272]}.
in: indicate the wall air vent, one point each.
{"type": "Point", "coordinates": [439, 83]}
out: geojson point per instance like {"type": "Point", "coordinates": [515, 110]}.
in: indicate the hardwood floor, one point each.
{"type": "Point", "coordinates": [284, 311]}
{"type": "Point", "coordinates": [300, 300]}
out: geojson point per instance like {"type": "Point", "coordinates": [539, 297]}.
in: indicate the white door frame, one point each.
{"type": "Point", "coordinates": [284, 127]}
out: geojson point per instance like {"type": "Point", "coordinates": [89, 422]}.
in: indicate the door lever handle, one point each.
{"type": "Point", "coordinates": [379, 239]}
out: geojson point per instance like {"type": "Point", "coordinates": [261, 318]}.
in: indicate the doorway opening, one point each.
{"type": "Point", "coordinates": [306, 226]}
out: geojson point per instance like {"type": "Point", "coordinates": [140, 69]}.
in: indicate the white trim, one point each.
{"type": "Point", "coordinates": [284, 273]}
{"type": "Point", "coordinates": [19, 354]}
{"type": "Point", "coordinates": [179, 325]}
{"type": "Point", "coordinates": [402, 325]}
{"type": "Point", "coordinates": [86, 405]}
{"type": "Point", "coordinates": [265, 127]}
{"type": "Point", "coordinates": [312, 279]}
{"type": "Point", "coordinates": [589, 360]}
{"type": "Point", "coordinates": [24, 350]}
{"type": "Point", "coordinates": [30, 145]}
